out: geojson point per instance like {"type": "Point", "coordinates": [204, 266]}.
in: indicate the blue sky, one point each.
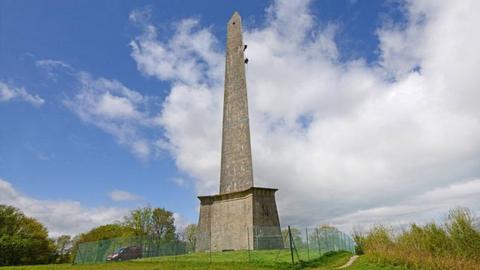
{"type": "Point", "coordinates": [51, 153]}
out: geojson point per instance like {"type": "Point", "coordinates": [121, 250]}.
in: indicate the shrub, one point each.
{"type": "Point", "coordinates": [359, 239]}
{"type": "Point", "coordinates": [454, 245]}
{"type": "Point", "coordinates": [465, 237]}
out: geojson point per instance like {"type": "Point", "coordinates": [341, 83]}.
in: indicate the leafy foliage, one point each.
{"type": "Point", "coordinates": [23, 240]}
{"type": "Point", "coordinates": [190, 236]}
{"type": "Point", "coordinates": [64, 245]}
{"type": "Point", "coordinates": [156, 222]}
{"type": "Point", "coordinates": [464, 235]}
{"type": "Point", "coordinates": [453, 245]}
{"type": "Point", "coordinates": [102, 233]}
{"type": "Point", "coordinates": [106, 232]}
{"type": "Point", "coordinates": [359, 239]}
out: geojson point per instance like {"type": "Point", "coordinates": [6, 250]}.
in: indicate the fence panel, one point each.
{"type": "Point", "coordinates": [268, 245]}
{"type": "Point", "coordinates": [121, 249]}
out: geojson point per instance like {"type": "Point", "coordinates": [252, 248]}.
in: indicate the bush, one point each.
{"type": "Point", "coordinates": [465, 237]}
{"type": "Point", "coordinates": [359, 239]}
{"type": "Point", "coordinates": [455, 245]}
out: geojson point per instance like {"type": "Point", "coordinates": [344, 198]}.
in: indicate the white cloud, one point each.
{"type": "Point", "coordinates": [180, 222]}
{"type": "Point", "coordinates": [193, 64]}
{"type": "Point", "coordinates": [111, 106]}
{"type": "Point", "coordinates": [60, 216]}
{"type": "Point", "coordinates": [121, 195]}
{"type": "Point", "coordinates": [50, 63]}
{"type": "Point", "coordinates": [140, 15]}
{"type": "Point", "coordinates": [10, 92]}
{"type": "Point", "coordinates": [53, 66]}
{"type": "Point", "coordinates": [180, 182]}
{"type": "Point", "coordinates": [416, 208]}
{"type": "Point", "coordinates": [190, 57]}
{"type": "Point", "coordinates": [71, 217]}
{"type": "Point", "coordinates": [337, 138]}
{"type": "Point", "coordinates": [114, 108]}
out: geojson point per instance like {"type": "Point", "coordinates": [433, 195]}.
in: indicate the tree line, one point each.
{"type": "Point", "coordinates": [24, 240]}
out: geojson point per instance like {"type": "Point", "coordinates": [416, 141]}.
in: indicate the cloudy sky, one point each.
{"type": "Point", "coordinates": [361, 112]}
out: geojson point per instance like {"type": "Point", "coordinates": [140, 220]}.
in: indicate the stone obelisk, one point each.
{"type": "Point", "coordinates": [236, 164]}
{"type": "Point", "coordinates": [241, 216]}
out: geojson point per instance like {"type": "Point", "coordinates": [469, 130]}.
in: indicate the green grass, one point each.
{"type": "Point", "coordinates": [143, 265]}
{"type": "Point", "coordinates": [235, 260]}
{"type": "Point", "coordinates": [330, 260]}
{"type": "Point", "coordinates": [363, 263]}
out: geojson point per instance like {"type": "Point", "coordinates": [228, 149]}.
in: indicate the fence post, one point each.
{"type": "Point", "coordinates": [96, 251]}
{"type": "Point", "coordinates": [210, 238]}
{"type": "Point", "coordinates": [291, 244]}
{"type": "Point", "coordinates": [248, 241]}
{"type": "Point", "coordinates": [318, 242]}
{"type": "Point", "coordinates": [308, 244]}
{"type": "Point", "coordinates": [175, 243]}
{"type": "Point", "coordinates": [329, 241]}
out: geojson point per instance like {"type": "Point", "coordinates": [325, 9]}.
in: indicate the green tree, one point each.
{"type": "Point", "coordinates": [105, 232]}
{"type": "Point", "coordinates": [190, 236]}
{"type": "Point", "coordinates": [156, 222]}
{"type": "Point", "coordinates": [163, 224]}
{"type": "Point", "coordinates": [140, 220]}
{"type": "Point", "coordinates": [23, 240]}
{"type": "Point", "coordinates": [64, 245]}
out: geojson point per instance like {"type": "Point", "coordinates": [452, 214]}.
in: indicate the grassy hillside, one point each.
{"type": "Point", "coordinates": [221, 261]}
{"type": "Point", "coordinates": [143, 266]}
{"type": "Point", "coordinates": [363, 263]}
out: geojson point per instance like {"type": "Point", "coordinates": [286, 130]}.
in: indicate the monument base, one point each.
{"type": "Point", "coordinates": [239, 220]}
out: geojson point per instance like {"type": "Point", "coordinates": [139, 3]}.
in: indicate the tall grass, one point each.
{"type": "Point", "coordinates": [452, 245]}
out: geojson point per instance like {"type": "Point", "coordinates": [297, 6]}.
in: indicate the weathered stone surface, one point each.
{"type": "Point", "coordinates": [236, 164]}
{"type": "Point", "coordinates": [231, 219]}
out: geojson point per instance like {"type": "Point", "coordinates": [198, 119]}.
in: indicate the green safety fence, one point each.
{"type": "Point", "coordinates": [120, 249]}
{"type": "Point", "coordinates": [312, 243]}
{"type": "Point", "coordinates": [266, 244]}
{"type": "Point", "coordinates": [299, 244]}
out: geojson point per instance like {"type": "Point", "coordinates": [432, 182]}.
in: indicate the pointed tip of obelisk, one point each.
{"type": "Point", "coordinates": [235, 15]}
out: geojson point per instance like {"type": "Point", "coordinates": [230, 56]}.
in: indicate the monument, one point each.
{"type": "Point", "coordinates": [241, 216]}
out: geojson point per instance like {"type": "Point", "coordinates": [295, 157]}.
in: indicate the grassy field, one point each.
{"type": "Point", "coordinates": [220, 261]}
{"type": "Point", "coordinates": [362, 263]}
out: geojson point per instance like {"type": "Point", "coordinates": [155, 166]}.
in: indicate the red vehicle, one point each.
{"type": "Point", "coordinates": [124, 254]}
